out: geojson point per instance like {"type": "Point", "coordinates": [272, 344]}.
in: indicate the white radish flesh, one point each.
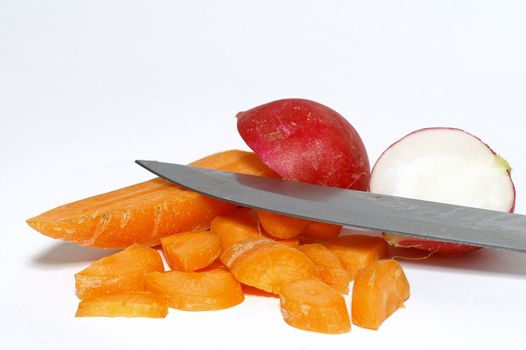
{"type": "Point", "coordinates": [444, 165]}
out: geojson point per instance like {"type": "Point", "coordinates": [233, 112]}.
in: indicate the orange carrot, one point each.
{"type": "Point", "coordinates": [216, 264]}
{"type": "Point", "coordinates": [129, 304]}
{"type": "Point", "coordinates": [235, 251]}
{"type": "Point", "coordinates": [235, 226]}
{"type": "Point", "coordinates": [322, 231]}
{"type": "Point", "coordinates": [312, 305]}
{"type": "Point", "coordinates": [197, 291]}
{"type": "Point", "coordinates": [249, 290]}
{"type": "Point", "coordinates": [190, 251]}
{"type": "Point", "coordinates": [357, 251]}
{"type": "Point", "coordinates": [291, 242]}
{"type": "Point", "coordinates": [379, 290]}
{"type": "Point", "coordinates": [240, 224]}
{"type": "Point", "coordinates": [281, 226]}
{"type": "Point", "coordinates": [144, 212]}
{"type": "Point", "coordinates": [328, 265]}
{"type": "Point", "coordinates": [236, 161]}
{"type": "Point", "coordinates": [120, 272]}
{"type": "Point", "coordinates": [266, 264]}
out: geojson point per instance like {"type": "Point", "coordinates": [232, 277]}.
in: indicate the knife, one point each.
{"type": "Point", "coordinates": [364, 210]}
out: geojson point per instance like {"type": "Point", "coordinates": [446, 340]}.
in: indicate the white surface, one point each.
{"type": "Point", "coordinates": [87, 88]}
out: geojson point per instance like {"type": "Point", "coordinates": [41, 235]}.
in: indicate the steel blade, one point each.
{"type": "Point", "coordinates": [411, 217]}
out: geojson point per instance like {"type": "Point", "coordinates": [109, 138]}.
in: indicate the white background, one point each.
{"type": "Point", "coordinates": [87, 87]}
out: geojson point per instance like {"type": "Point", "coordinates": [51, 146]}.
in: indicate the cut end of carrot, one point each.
{"type": "Point", "coordinates": [379, 290]}
{"type": "Point", "coordinates": [249, 290]}
{"type": "Point", "coordinates": [129, 304]}
{"type": "Point", "coordinates": [190, 251]}
{"type": "Point", "coordinates": [121, 272]}
{"type": "Point", "coordinates": [240, 224]}
{"type": "Point", "coordinates": [291, 242]}
{"type": "Point", "coordinates": [242, 247]}
{"type": "Point", "coordinates": [281, 226]}
{"type": "Point", "coordinates": [213, 289]}
{"type": "Point", "coordinates": [312, 305]}
{"type": "Point", "coordinates": [235, 227]}
{"type": "Point", "coordinates": [357, 251]}
{"type": "Point", "coordinates": [266, 264]}
{"type": "Point", "coordinates": [328, 265]}
{"type": "Point", "coordinates": [322, 231]}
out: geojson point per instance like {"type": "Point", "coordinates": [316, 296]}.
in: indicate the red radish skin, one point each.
{"type": "Point", "coordinates": [307, 142]}
{"type": "Point", "coordinates": [494, 164]}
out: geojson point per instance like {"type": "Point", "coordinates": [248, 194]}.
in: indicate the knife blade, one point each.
{"type": "Point", "coordinates": [363, 210]}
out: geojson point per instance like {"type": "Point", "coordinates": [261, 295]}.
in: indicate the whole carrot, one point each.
{"type": "Point", "coordinates": [144, 212]}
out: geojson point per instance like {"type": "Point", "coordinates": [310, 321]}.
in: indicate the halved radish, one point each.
{"type": "Point", "coordinates": [306, 141]}
{"type": "Point", "coordinates": [443, 165]}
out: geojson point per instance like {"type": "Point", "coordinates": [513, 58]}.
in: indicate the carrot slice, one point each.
{"type": "Point", "coordinates": [190, 251]}
{"type": "Point", "coordinates": [291, 242]}
{"type": "Point", "coordinates": [130, 304]}
{"type": "Point", "coordinates": [120, 272]}
{"type": "Point", "coordinates": [328, 265]}
{"type": "Point", "coordinates": [266, 264]}
{"type": "Point", "coordinates": [235, 227]}
{"type": "Point", "coordinates": [322, 231]}
{"type": "Point", "coordinates": [197, 291]}
{"type": "Point", "coordinates": [312, 305]}
{"type": "Point", "coordinates": [281, 226]}
{"type": "Point", "coordinates": [249, 290]}
{"type": "Point", "coordinates": [240, 248]}
{"type": "Point", "coordinates": [216, 264]}
{"type": "Point", "coordinates": [144, 212]}
{"type": "Point", "coordinates": [240, 224]}
{"type": "Point", "coordinates": [357, 251]}
{"type": "Point", "coordinates": [379, 290]}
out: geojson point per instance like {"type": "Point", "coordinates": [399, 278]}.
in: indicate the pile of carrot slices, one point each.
{"type": "Point", "coordinates": [216, 252]}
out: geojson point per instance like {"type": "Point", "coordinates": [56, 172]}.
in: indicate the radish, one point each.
{"type": "Point", "coordinates": [443, 165]}
{"type": "Point", "coordinates": [306, 141]}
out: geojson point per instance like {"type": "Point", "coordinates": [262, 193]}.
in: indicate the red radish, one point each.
{"type": "Point", "coordinates": [306, 141]}
{"type": "Point", "coordinates": [443, 165]}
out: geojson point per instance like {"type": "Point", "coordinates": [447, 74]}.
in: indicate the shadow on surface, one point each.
{"type": "Point", "coordinates": [64, 253]}
{"type": "Point", "coordinates": [480, 261]}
